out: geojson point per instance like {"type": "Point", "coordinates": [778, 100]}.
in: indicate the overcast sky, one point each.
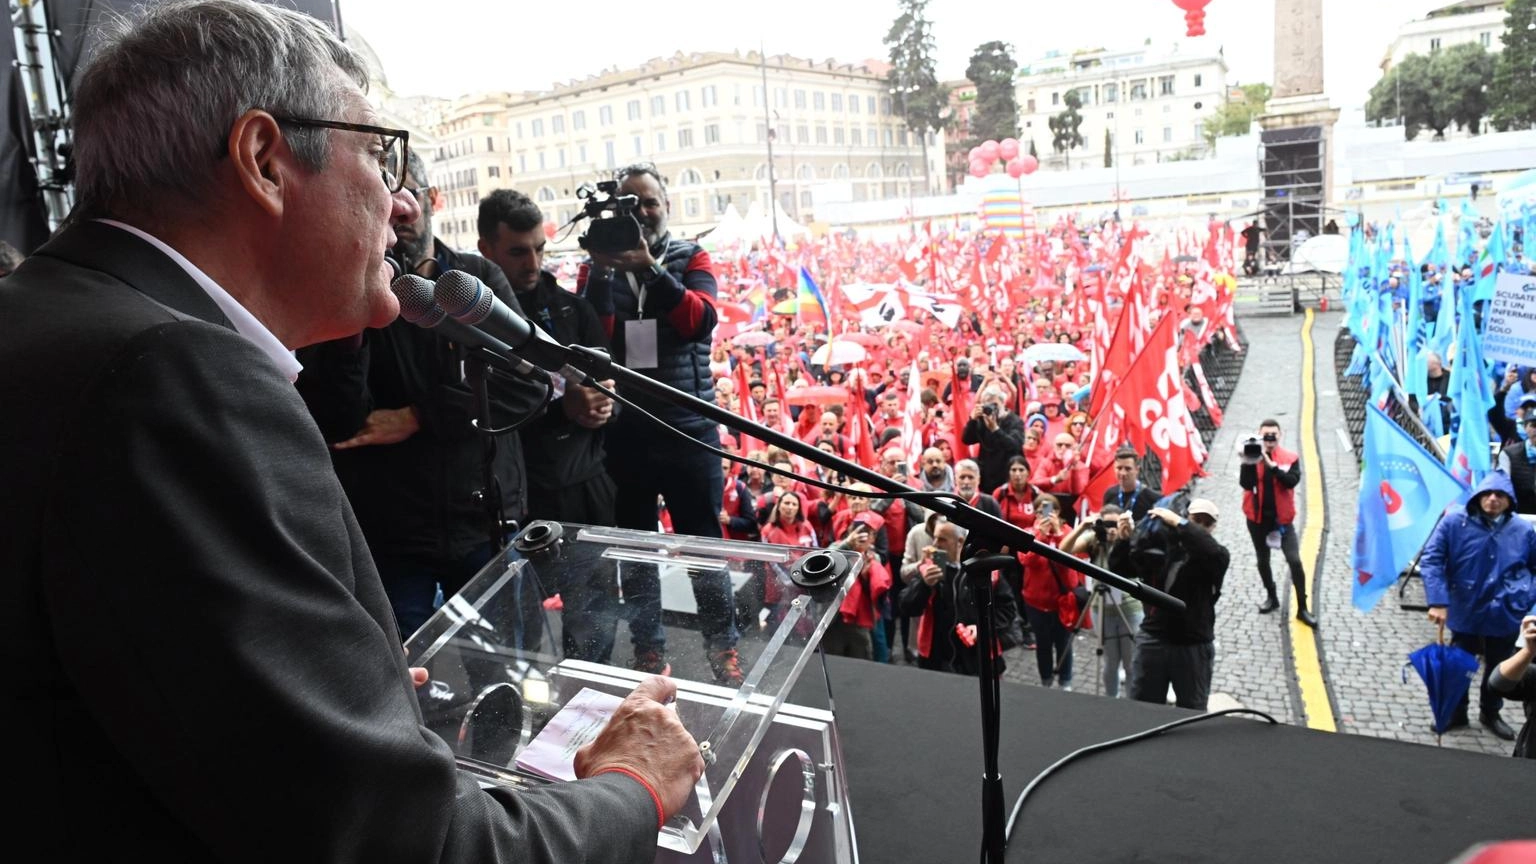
{"type": "Point", "coordinates": [451, 47]}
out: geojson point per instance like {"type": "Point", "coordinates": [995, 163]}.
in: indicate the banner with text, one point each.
{"type": "Point", "coordinates": [1511, 332]}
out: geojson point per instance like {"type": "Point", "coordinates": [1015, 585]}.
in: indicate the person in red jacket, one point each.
{"type": "Point", "coordinates": [1044, 583]}
{"type": "Point", "coordinates": [787, 525]}
{"type": "Point", "coordinates": [851, 633]}
{"type": "Point", "coordinates": [1269, 480]}
{"type": "Point", "coordinates": [1062, 473]}
{"type": "Point", "coordinates": [1017, 496]}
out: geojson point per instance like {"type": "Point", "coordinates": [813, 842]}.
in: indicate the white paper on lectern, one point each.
{"type": "Point", "coordinates": [552, 754]}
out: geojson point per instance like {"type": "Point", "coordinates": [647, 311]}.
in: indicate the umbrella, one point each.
{"type": "Point", "coordinates": [1185, 259]}
{"type": "Point", "coordinates": [819, 395]}
{"type": "Point", "coordinates": [838, 353]}
{"type": "Point", "coordinates": [868, 340]}
{"type": "Point", "coordinates": [1447, 672]}
{"type": "Point", "coordinates": [1325, 253]}
{"type": "Point", "coordinates": [753, 339]}
{"type": "Point", "coordinates": [905, 326]}
{"type": "Point", "coordinates": [1059, 352]}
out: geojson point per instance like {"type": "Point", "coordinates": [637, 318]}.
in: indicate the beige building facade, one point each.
{"type": "Point", "coordinates": [837, 134]}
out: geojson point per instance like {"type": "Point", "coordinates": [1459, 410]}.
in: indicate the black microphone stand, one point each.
{"type": "Point", "coordinates": [990, 533]}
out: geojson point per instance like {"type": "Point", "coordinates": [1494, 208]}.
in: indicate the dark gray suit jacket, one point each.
{"type": "Point", "coordinates": [203, 663]}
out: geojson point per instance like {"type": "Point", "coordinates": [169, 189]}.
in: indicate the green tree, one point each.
{"type": "Point", "coordinates": [1236, 116]}
{"type": "Point", "coordinates": [997, 108]}
{"type": "Point", "coordinates": [1109, 149]}
{"type": "Point", "coordinates": [1065, 126]}
{"type": "Point", "coordinates": [1512, 95]}
{"type": "Point", "coordinates": [1445, 89]}
{"type": "Point", "coordinates": [913, 81]}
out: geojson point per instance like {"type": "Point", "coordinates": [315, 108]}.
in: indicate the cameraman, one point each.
{"type": "Point", "coordinates": [1269, 475]}
{"type": "Point", "coordinates": [657, 302]}
{"type": "Point", "coordinates": [1115, 622]}
{"type": "Point", "coordinates": [1174, 648]}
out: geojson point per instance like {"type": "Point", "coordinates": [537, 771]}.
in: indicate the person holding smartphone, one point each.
{"type": "Point", "coordinates": [1515, 678]}
{"type": "Point", "coordinates": [1044, 583]}
{"type": "Point", "coordinates": [941, 595]}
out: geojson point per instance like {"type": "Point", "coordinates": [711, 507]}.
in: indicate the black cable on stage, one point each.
{"type": "Point", "coordinates": [1118, 742]}
{"type": "Point", "coordinates": [916, 495]}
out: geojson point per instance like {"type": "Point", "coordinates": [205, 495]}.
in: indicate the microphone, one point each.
{"type": "Point", "coordinates": [417, 307]}
{"type": "Point", "coordinates": [469, 301]}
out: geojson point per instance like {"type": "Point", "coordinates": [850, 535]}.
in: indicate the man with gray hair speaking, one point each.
{"type": "Point", "coordinates": [205, 665]}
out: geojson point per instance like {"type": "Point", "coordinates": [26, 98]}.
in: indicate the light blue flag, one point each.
{"type": "Point", "coordinates": [1403, 489]}
{"type": "Point", "coordinates": [1472, 391]}
{"type": "Point", "coordinates": [1445, 325]}
{"type": "Point", "coordinates": [1466, 239]}
{"type": "Point", "coordinates": [1415, 368]}
{"type": "Point", "coordinates": [1487, 270]}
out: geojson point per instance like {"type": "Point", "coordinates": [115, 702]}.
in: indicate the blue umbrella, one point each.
{"type": "Point", "coordinates": [1447, 672]}
{"type": "Point", "coordinates": [1059, 352]}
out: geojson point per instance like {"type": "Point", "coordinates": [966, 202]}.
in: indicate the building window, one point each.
{"type": "Point", "coordinates": [1434, 45]}
{"type": "Point", "coordinates": [1138, 91]}
{"type": "Point", "coordinates": [658, 106]}
{"type": "Point", "coordinates": [541, 160]}
{"type": "Point", "coordinates": [890, 137]}
{"type": "Point", "coordinates": [661, 142]}
{"type": "Point", "coordinates": [1485, 39]}
{"type": "Point", "coordinates": [837, 135]}
{"type": "Point", "coordinates": [821, 134]}
{"type": "Point", "coordinates": [578, 120]}
{"type": "Point", "coordinates": [691, 207]}
{"type": "Point", "coordinates": [605, 115]}
{"type": "Point", "coordinates": [490, 144]}
{"type": "Point", "coordinates": [1055, 98]}
{"type": "Point", "coordinates": [634, 109]}
{"type": "Point", "coordinates": [493, 171]}
{"type": "Point", "coordinates": [783, 133]}
{"type": "Point", "coordinates": [1165, 85]}
{"type": "Point", "coordinates": [1167, 134]}
{"type": "Point", "coordinates": [780, 97]}
{"type": "Point", "coordinates": [837, 101]}
{"type": "Point", "coordinates": [1111, 93]}
{"type": "Point", "coordinates": [707, 97]}
{"type": "Point", "coordinates": [557, 124]}
{"type": "Point", "coordinates": [581, 154]}
{"type": "Point", "coordinates": [682, 101]}
{"type": "Point", "coordinates": [546, 194]}
{"type": "Point", "coordinates": [805, 198]}
{"type": "Point", "coordinates": [1199, 80]}
{"type": "Point", "coordinates": [522, 163]}
{"type": "Point", "coordinates": [1141, 137]}
{"type": "Point", "coordinates": [757, 97]}
{"type": "Point", "coordinates": [819, 100]}
{"type": "Point", "coordinates": [857, 136]}
{"type": "Point", "coordinates": [684, 139]}
{"type": "Point", "coordinates": [537, 128]}
{"type": "Point", "coordinates": [762, 132]}
{"type": "Point", "coordinates": [853, 104]}
{"type": "Point", "coordinates": [800, 99]}
{"type": "Point", "coordinates": [885, 106]}
{"type": "Point", "coordinates": [902, 137]}
{"type": "Point", "coordinates": [519, 130]}
{"type": "Point", "coordinates": [873, 137]}
{"type": "Point", "coordinates": [712, 133]}
{"type": "Point", "coordinates": [639, 146]}
{"type": "Point", "coordinates": [802, 134]}
{"type": "Point", "coordinates": [561, 154]}
{"type": "Point", "coordinates": [608, 154]}
{"type": "Point", "coordinates": [1199, 131]}
{"type": "Point", "coordinates": [869, 104]}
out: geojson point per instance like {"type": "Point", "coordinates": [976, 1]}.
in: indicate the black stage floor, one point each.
{"type": "Point", "coordinates": [1225, 790]}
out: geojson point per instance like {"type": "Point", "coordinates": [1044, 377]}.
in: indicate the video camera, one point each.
{"type": "Point", "coordinates": [614, 228]}
{"type": "Point", "coordinates": [1253, 451]}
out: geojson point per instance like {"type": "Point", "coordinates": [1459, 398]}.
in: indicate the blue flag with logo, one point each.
{"type": "Point", "coordinates": [1403, 490]}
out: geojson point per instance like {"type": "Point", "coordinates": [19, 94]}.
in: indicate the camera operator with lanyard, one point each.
{"type": "Point", "coordinates": [1269, 475]}
{"type": "Point", "coordinates": [657, 302]}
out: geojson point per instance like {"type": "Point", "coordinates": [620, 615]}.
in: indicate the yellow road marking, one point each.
{"type": "Point", "coordinates": [1304, 658]}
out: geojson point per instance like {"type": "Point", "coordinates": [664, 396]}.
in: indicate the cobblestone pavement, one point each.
{"type": "Point", "coordinates": [1363, 655]}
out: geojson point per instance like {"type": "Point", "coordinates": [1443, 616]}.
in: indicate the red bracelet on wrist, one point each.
{"type": "Point", "coordinates": [661, 814]}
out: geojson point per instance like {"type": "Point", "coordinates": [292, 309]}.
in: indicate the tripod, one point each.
{"type": "Point", "coordinates": [1096, 604]}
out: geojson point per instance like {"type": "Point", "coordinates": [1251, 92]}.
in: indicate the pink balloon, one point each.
{"type": "Point", "coordinates": [980, 168]}
{"type": "Point", "coordinates": [1015, 168]}
{"type": "Point", "coordinates": [1030, 163]}
{"type": "Point", "coordinates": [973, 155]}
{"type": "Point", "coordinates": [988, 150]}
{"type": "Point", "coordinates": [1008, 148]}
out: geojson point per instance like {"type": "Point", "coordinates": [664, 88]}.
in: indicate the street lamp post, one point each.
{"type": "Point", "coordinates": [773, 195]}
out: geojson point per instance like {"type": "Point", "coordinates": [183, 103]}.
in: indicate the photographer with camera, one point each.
{"type": "Point", "coordinates": [1182, 557]}
{"type": "Point", "coordinates": [1269, 475]}
{"type": "Point", "coordinates": [656, 296]}
{"type": "Point", "coordinates": [851, 633]}
{"type": "Point", "coordinates": [999, 432]}
{"type": "Point", "coordinates": [942, 595]}
{"type": "Point", "coordinates": [1117, 615]}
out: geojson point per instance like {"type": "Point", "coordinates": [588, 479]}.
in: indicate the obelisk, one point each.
{"type": "Point", "coordinates": [1297, 125]}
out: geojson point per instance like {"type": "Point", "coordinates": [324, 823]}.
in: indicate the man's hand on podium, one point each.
{"type": "Point", "coordinates": [645, 739]}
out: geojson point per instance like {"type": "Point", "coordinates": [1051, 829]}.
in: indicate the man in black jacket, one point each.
{"type": "Point", "coordinates": [657, 302]}
{"type": "Point", "coordinates": [1129, 493]}
{"type": "Point", "coordinates": [1000, 433]}
{"type": "Point", "coordinates": [1172, 647]}
{"type": "Point", "coordinates": [401, 425]}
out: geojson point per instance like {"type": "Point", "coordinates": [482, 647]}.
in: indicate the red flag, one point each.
{"type": "Point", "coordinates": [858, 427]}
{"type": "Point", "coordinates": [1152, 397]}
{"type": "Point", "coordinates": [1206, 395]}
{"type": "Point", "coordinates": [959, 411]}
{"type": "Point", "coordinates": [743, 380]}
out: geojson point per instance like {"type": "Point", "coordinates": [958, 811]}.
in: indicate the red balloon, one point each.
{"type": "Point", "coordinates": [1191, 5]}
{"type": "Point", "coordinates": [1008, 148]}
{"type": "Point", "coordinates": [1015, 168]}
{"type": "Point", "coordinates": [988, 150]}
{"type": "Point", "coordinates": [1030, 163]}
{"type": "Point", "coordinates": [980, 168]}
{"type": "Point", "coordinates": [973, 155]}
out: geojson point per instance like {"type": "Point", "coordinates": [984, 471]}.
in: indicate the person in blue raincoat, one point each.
{"type": "Point", "coordinates": [1478, 581]}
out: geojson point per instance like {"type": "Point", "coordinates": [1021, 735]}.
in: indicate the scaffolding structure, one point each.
{"type": "Point", "coordinates": [1293, 169]}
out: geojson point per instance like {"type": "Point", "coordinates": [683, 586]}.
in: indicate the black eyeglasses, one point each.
{"type": "Point", "coordinates": [394, 145]}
